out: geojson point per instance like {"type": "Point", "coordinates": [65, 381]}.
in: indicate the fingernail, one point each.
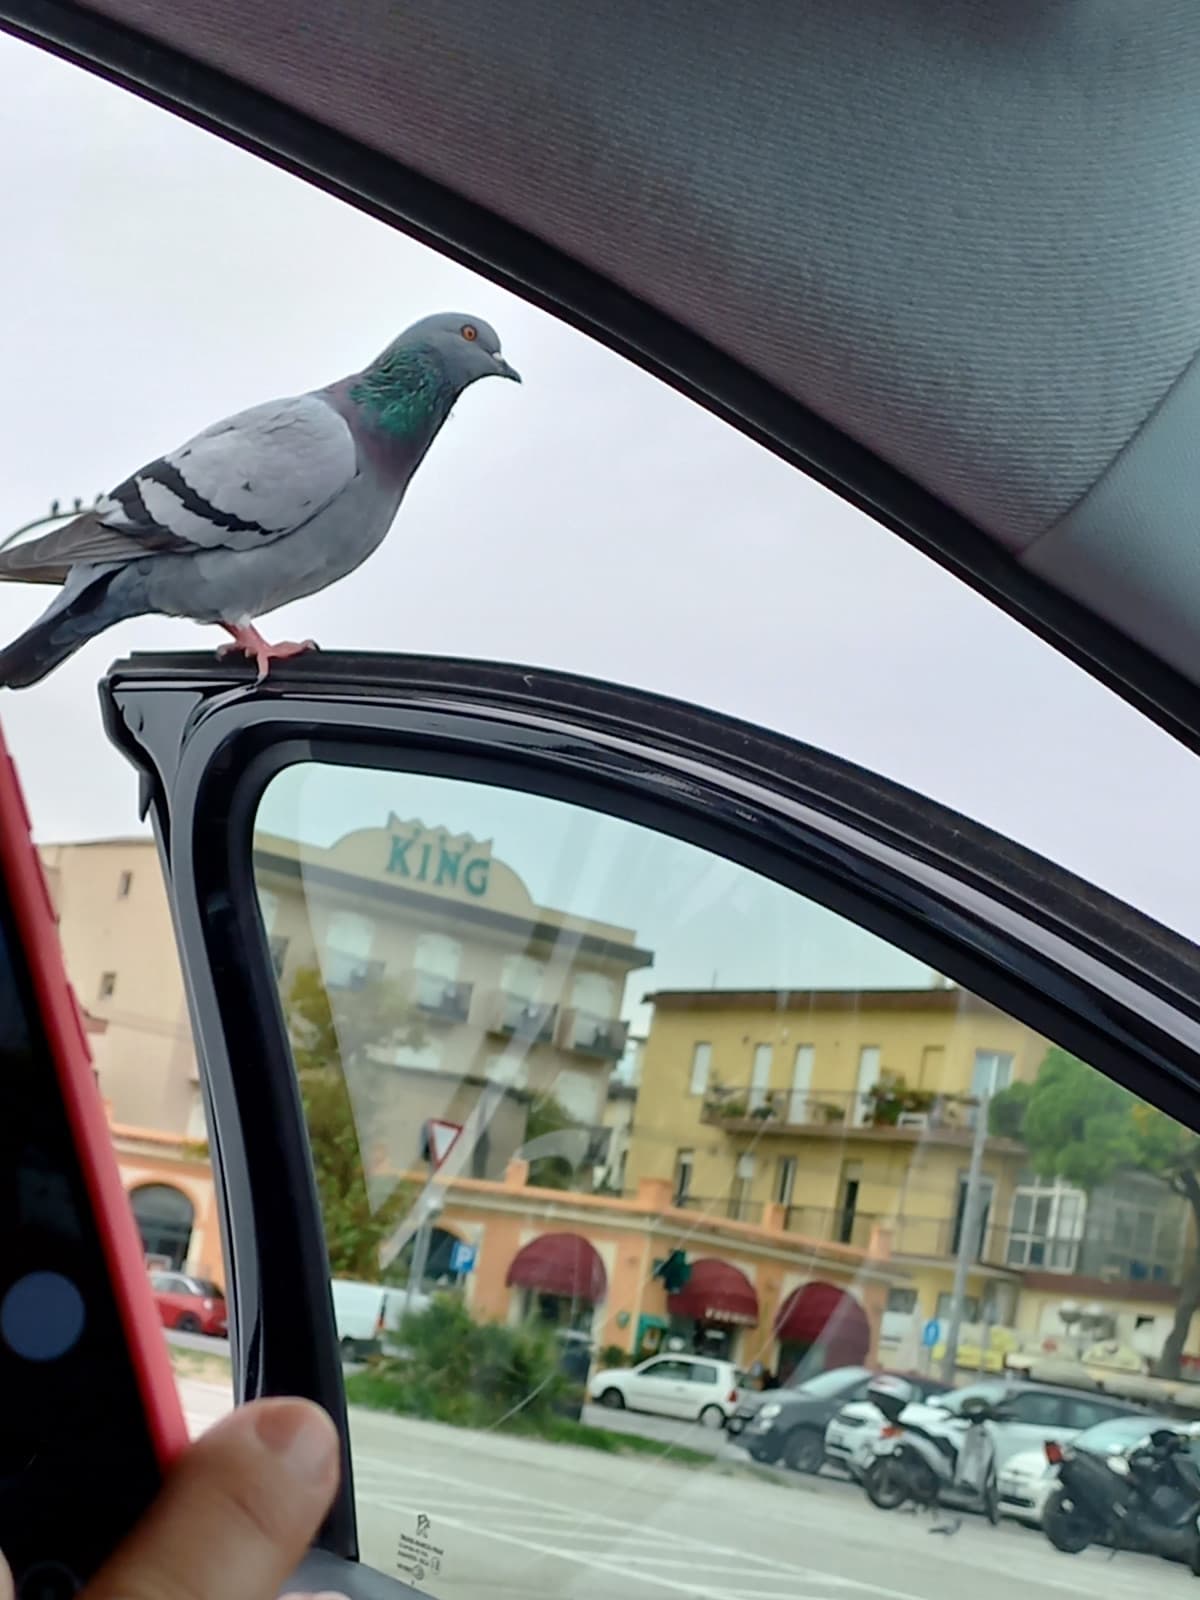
{"type": "Point", "coordinates": [302, 1437]}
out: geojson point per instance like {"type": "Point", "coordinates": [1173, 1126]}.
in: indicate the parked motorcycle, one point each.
{"type": "Point", "coordinates": [931, 1463]}
{"type": "Point", "coordinates": [1147, 1501]}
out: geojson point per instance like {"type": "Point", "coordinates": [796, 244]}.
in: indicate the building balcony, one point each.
{"type": "Point", "coordinates": [511, 1016]}
{"type": "Point", "coordinates": [906, 1114]}
{"type": "Point", "coordinates": [587, 1034]}
{"type": "Point", "coordinates": [732, 1207]}
{"type": "Point", "coordinates": [441, 999]}
{"type": "Point", "coordinates": [344, 971]}
{"type": "Point", "coordinates": [1100, 1257]}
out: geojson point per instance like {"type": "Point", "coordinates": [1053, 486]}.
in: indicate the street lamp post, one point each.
{"type": "Point", "coordinates": [968, 1239]}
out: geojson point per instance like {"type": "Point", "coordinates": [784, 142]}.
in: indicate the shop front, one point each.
{"type": "Point", "coordinates": [820, 1327]}
{"type": "Point", "coordinates": [559, 1279]}
{"type": "Point", "coordinates": [712, 1309]}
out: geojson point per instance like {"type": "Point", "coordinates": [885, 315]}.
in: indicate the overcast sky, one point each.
{"type": "Point", "coordinates": [154, 279]}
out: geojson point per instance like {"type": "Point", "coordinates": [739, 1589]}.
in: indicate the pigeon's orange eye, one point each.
{"type": "Point", "coordinates": [470, 333]}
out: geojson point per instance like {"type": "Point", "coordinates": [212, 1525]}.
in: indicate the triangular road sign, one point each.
{"type": "Point", "coordinates": [440, 1139]}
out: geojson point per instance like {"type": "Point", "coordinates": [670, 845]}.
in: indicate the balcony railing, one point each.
{"type": "Point", "coordinates": [937, 1238]}
{"type": "Point", "coordinates": [911, 1110]}
{"type": "Point", "coordinates": [514, 1017]}
{"type": "Point", "coordinates": [736, 1207]}
{"type": "Point", "coordinates": [443, 999]}
{"type": "Point", "coordinates": [591, 1035]}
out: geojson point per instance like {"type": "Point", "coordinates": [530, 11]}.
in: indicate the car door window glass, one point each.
{"type": "Point", "coordinates": [1036, 1410]}
{"type": "Point", "coordinates": [487, 991]}
{"type": "Point", "coordinates": [1081, 1413]}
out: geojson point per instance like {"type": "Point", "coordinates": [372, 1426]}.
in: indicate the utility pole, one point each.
{"type": "Point", "coordinates": [968, 1238]}
{"type": "Point", "coordinates": [431, 1208]}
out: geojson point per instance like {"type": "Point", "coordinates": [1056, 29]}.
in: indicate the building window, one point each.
{"type": "Point", "coordinates": [346, 956]}
{"type": "Point", "coordinates": [785, 1180]}
{"type": "Point", "coordinates": [739, 1194]}
{"type": "Point", "coordinates": [869, 1068]}
{"type": "Point", "coordinates": [124, 885]}
{"type": "Point", "coordinates": [987, 1192]}
{"type": "Point", "coordinates": [802, 1071]}
{"type": "Point", "coordinates": [701, 1062]}
{"type": "Point", "coordinates": [991, 1072]}
{"type": "Point", "coordinates": [945, 1304]}
{"type": "Point", "coordinates": [108, 985]}
{"type": "Point", "coordinates": [683, 1177]}
{"type": "Point", "coordinates": [760, 1077]}
{"type": "Point", "coordinates": [1046, 1226]}
{"type": "Point", "coordinates": [417, 1058]}
{"type": "Point", "coordinates": [902, 1301]}
{"type": "Point", "coordinates": [847, 1212]}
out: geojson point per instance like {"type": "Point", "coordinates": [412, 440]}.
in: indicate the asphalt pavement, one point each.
{"type": "Point", "coordinates": [481, 1516]}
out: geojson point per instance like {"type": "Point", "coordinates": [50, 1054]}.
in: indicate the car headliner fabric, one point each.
{"type": "Point", "coordinates": [966, 232]}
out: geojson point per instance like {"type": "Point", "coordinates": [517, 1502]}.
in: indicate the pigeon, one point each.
{"type": "Point", "coordinates": [272, 504]}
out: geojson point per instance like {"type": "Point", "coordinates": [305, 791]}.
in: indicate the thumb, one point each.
{"type": "Point", "coordinates": [237, 1513]}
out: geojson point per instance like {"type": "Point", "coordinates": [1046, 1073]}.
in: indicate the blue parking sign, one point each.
{"type": "Point", "coordinates": [462, 1257]}
{"type": "Point", "coordinates": [931, 1333]}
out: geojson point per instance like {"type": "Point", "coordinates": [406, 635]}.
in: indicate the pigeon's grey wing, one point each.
{"type": "Point", "coordinates": [243, 482]}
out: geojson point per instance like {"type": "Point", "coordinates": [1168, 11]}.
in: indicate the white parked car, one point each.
{"type": "Point", "coordinates": [1034, 1414]}
{"type": "Point", "coordinates": [368, 1315]}
{"type": "Point", "coordinates": [1027, 1479]}
{"type": "Point", "coordinates": [691, 1387]}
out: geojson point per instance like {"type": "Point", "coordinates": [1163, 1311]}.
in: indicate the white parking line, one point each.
{"type": "Point", "coordinates": [750, 1568]}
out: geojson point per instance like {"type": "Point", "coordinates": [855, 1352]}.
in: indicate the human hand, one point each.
{"type": "Point", "coordinates": [235, 1516]}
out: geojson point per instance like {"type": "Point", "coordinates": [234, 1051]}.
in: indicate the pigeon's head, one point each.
{"type": "Point", "coordinates": [465, 348]}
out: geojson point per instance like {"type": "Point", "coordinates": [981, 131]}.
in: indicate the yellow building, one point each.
{"type": "Point", "coordinates": [854, 1111]}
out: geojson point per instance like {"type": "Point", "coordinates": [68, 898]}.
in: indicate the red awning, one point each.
{"type": "Point", "coordinates": [716, 1292]}
{"type": "Point", "coordinates": [821, 1313]}
{"type": "Point", "coordinates": [560, 1263]}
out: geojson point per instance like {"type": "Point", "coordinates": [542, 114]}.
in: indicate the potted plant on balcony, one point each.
{"type": "Point", "coordinates": [891, 1096]}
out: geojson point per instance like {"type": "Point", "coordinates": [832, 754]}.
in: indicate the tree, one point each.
{"type": "Point", "coordinates": [336, 1038]}
{"type": "Point", "coordinates": [548, 1119]}
{"type": "Point", "coordinates": [1081, 1126]}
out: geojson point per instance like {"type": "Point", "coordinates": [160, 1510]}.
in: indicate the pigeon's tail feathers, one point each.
{"type": "Point", "coordinates": [91, 601]}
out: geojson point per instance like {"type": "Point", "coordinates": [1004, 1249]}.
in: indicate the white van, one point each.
{"type": "Point", "coordinates": [367, 1315]}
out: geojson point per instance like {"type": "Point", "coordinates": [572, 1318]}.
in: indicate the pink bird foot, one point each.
{"type": "Point", "coordinates": [247, 641]}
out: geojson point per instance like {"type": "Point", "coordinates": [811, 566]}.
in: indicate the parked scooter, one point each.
{"type": "Point", "coordinates": [932, 1463]}
{"type": "Point", "coordinates": [1147, 1501]}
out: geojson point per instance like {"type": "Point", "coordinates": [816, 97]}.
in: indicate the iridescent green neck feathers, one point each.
{"type": "Point", "coordinates": [404, 394]}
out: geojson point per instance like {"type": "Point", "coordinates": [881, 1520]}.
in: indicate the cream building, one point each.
{"type": "Point", "coordinates": [506, 1001]}
{"type": "Point", "coordinates": [119, 945]}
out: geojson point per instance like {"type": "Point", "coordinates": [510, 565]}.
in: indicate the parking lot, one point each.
{"type": "Point", "coordinates": [502, 1516]}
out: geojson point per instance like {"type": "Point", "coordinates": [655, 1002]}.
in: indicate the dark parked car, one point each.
{"type": "Point", "coordinates": [789, 1424]}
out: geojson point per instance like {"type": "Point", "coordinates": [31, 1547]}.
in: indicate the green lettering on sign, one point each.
{"type": "Point", "coordinates": [424, 862]}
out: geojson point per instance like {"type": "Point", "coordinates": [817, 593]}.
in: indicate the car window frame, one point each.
{"type": "Point", "coordinates": [750, 797]}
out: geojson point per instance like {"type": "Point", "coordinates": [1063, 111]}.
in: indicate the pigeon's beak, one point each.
{"type": "Point", "coordinates": [503, 370]}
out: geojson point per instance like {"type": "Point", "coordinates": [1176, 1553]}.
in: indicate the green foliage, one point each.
{"type": "Point", "coordinates": [891, 1097]}
{"type": "Point", "coordinates": [1081, 1126]}
{"type": "Point", "coordinates": [614, 1356]}
{"type": "Point", "coordinates": [547, 1115]}
{"type": "Point", "coordinates": [485, 1375]}
{"type": "Point", "coordinates": [333, 1035]}
{"type": "Point", "coordinates": [473, 1374]}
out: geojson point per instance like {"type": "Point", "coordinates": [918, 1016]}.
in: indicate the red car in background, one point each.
{"type": "Point", "coordinates": [190, 1304]}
